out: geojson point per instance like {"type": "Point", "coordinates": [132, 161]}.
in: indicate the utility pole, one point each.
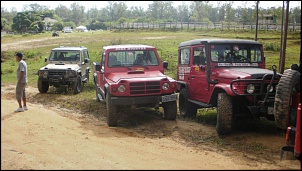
{"type": "Point", "coordinates": [283, 49]}
{"type": "Point", "coordinates": [256, 35]}
{"type": "Point", "coordinates": [281, 37]}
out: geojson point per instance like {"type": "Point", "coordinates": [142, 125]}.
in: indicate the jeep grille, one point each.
{"type": "Point", "coordinates": [260, 84]}
{"type": "Point", "coordinates": [137, 88]}
{"type": "Point", "coordinates": [56, 72]}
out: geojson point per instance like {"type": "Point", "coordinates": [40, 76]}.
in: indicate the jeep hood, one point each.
{"type": "Point", "coordinates": [137, 76]}
{"type": "Point", "coordinates": [246, 72]}
{"type": "Point", "coordinates": [61, 66]}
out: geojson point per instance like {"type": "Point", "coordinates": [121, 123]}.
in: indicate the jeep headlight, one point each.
{"type": "Point", "coordinates": [43, 73]}
{"type": "Point", "coordinates": [250, 88]}
{"type": "Point", "coordinates": [165, 86]}
{"type": "Point", "coordinates": [71, 73]}
{"type": "Point", "coordinates": [270, 89]}
{"type": "Point", "coordinates": [121, 88]}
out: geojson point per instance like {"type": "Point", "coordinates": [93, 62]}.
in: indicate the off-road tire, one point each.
{"type": "Point", "coordinates": [77, 86]}
{"type": "Point", "coordinates": [289, 84]}
{"type": "Point", "coordinates": [43, 86]}
{"type": "Point", "coordinates": [96, 94]}
{"type": "Point", "coordinates": [170, 110]}
{"type": "Point", "coordinates": [111, 111]}
{"type": "Point", "coordinates": [224, 114]}
{"type": "Point", "coordinates": [186, 108]}
{"type": "Point", "coordinates": [87, 76]}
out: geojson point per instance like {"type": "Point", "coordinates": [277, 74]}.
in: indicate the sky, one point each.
{"type": "Point", "coordinates": [101, 4]}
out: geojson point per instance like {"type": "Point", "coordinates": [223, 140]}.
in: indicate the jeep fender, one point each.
{"type": "Point", "coordinates": [226, 88]}
{"type": "Point", "coordinates": [220, 88]}
{"type": "Point", "coordinates": [180, 85]}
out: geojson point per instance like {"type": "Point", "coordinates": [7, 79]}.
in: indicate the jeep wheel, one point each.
{"type": "Point", "coordinates": [289, 85]}
{"type": "Point", "coordinates": [224, 114]}
{"type": "Point", "coordinates": [96, 94]}
{"type": "Point", "coordinates": [186, 108]}
{"type": "Point", "coordinates": [43, 86]}
{"type": "Point", "coordinates": [170, 110]}
{"type": "Point", "coordinates": [111, 111]}
{"type": "Point", "coordinates": [87, 76]}
{"type": "Point", "coordinates": [77, 86]}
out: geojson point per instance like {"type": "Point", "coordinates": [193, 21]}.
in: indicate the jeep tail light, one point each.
{"type": "Point", "coordinates": [121, 88]}
{"type": "Point", "coordinates": [165, 86]}
{"type": "Point", "coordinates": [287, 135]}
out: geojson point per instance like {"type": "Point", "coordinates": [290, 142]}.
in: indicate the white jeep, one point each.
{"type": "Point", "coordinates": [65, 66]}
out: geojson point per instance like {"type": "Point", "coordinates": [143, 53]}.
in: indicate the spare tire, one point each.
{"type": "Point", "coordinates": [289, 85]}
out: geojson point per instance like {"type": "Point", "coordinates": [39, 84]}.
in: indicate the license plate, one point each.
{"type": "Point", "coordinates": [270, 110]}
{"type": "Point", "coordinates": [169, 98]}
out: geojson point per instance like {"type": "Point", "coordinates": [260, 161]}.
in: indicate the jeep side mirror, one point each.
{"type": "Point", "coordinates": [165, 64]}
{"type": "Point", "coordinates": [86, 60]}
{"type": "Point", "coordinates": [45, 60]}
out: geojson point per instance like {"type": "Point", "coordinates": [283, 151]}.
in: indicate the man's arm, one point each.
{"type": "Point", "coordinates": [21, 76]}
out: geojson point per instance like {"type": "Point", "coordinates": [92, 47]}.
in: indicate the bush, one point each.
{"type": "Point", "coordinates": [271, 47]}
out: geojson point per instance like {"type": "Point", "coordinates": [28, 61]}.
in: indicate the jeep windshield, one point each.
{"type": "Point", "coordinates": [64, 56]}
{"type": "Point", "coordinates": [236, 53]}
{"type": "Point", "coordinates": [132, 58]}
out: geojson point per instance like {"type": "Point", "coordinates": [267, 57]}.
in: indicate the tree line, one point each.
{"type": "Point", "coordinates": [117, 12]}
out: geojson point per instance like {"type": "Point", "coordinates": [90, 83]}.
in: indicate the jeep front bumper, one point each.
{"type": "Point", "coordinates": [58, 80]}
{"type": "Point", "coordinates": [143, 99]}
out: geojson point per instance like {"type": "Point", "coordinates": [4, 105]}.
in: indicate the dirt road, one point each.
{"type": "Point", "coordinates": [47, 137]}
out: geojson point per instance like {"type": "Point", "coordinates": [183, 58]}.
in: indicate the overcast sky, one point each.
{"type": "Point", "coordinates": [101, 4]}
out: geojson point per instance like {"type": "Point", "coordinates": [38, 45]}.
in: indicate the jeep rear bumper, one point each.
{"type": "Point", "coordinates": [143, 99]}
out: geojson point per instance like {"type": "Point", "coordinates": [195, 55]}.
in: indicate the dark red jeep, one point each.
{"type": "Point", "coordinates": [228, 74]}
{"type": "Point", "coordinates": [133, 76]}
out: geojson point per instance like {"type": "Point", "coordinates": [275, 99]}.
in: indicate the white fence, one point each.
{"type": "Point", "coordinates": [201, 26]}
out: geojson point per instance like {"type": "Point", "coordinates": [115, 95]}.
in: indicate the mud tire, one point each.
{"type": "Point", "coordinates": [170, 110]}
{"type": "Point", "coordinates": [288, 85]}
{"type": "Point", "coordinates": [43, 86]}
{"type": "Point", "coordinates": [77, 86]}
{"type": "Point", "coordinates": [224, 114]}
{"type": "Point", "coordinates": [96, 94]}
{"type": "Point", "coordinates": [186, 108]}
{"type": "Point", "coordinates": [111, 112]}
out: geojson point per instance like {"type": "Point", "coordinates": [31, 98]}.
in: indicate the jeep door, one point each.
{"type": "Point", "coordinates": [84, 66]}
{"type": "Point", "coordinates": [101, 75]}
{"type": "Point", "coordinates": [199, 87]}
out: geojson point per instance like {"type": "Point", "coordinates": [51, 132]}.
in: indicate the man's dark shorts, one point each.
{"type": "Point", "coordinates": [20, 91]}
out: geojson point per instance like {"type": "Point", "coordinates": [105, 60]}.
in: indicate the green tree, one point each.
{"type": "Point", "coordinates": [63, 12]}
{"type": "Point", "coordinates": [183, 13]}
{"type": "Point", "coordinates": [57, 26]}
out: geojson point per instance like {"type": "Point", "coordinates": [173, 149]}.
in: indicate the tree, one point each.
{"type": "Point", "coordinates": [183, 13]}
{"type": "Point", "coordinates": [63, 12]}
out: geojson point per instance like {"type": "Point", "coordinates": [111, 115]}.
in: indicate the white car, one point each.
{"type": "Point", "coordinates": [67, 30]}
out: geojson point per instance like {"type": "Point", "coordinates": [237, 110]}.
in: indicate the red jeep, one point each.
{"type": "Point", "coordinates": [228, 74]}
{"type": "Point", "coordinates": [133, 75]}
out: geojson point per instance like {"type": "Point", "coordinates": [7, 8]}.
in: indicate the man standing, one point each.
{"type": "Point", "coordinates": [22, 82]}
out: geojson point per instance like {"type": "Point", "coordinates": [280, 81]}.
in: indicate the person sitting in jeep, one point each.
{"type": "Point", "coordinates": [139, 59]}
{"type": "Point", "coordinates": [113, 61]}
{"type": "Point", "coordinates": [61, 57]}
